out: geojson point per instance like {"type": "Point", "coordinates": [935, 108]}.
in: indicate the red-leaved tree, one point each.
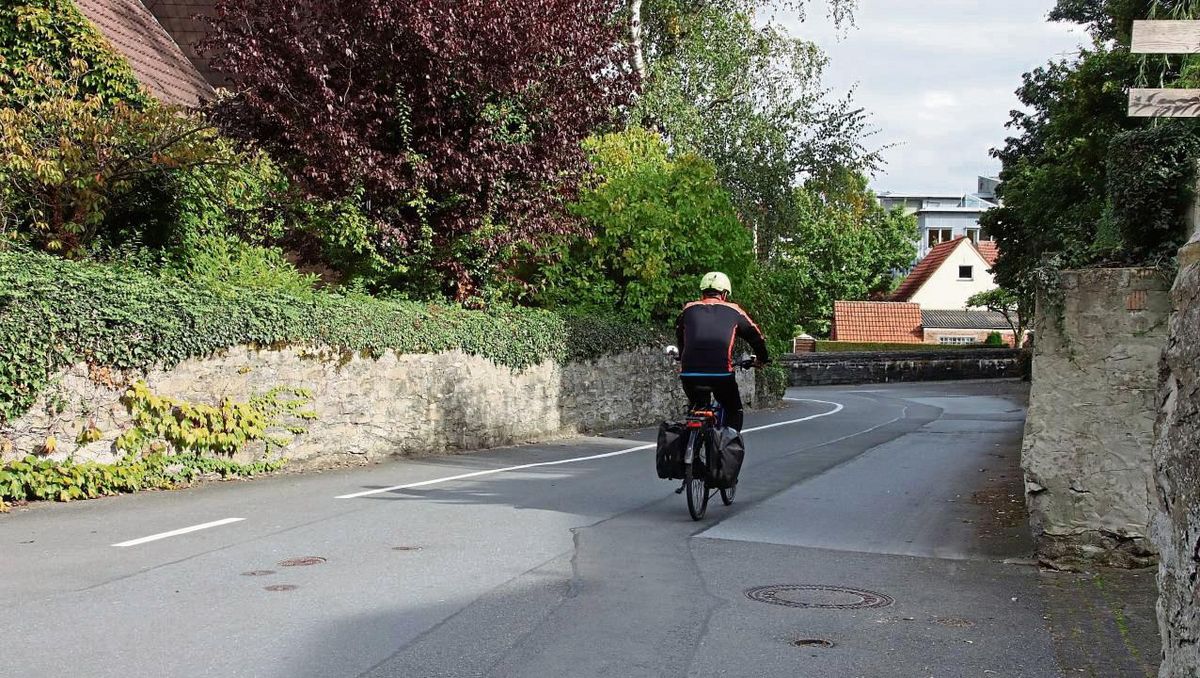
{"type": "Point", "coordinates": [460, 121]}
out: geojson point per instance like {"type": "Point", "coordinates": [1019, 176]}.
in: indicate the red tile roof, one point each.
{"type": "Point", "coordinates": [989, 251]}
{"type": "Point", "coordinates": [884, 321]}
{"type": "Point", "coordinates": [157, 61]}
{"type": "Point", "coordinates": [925, 268]}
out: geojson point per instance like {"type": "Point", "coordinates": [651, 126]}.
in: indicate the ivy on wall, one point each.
{"type": "Point", "coordinates": [55, 312]}
{"type": "Point", "coordinates": [40, 36]}
{"type": "Point", "coordinates": [171, 443]}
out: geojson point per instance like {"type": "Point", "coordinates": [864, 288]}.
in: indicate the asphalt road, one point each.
{"type": "Point", "coordinates": [579, 563]}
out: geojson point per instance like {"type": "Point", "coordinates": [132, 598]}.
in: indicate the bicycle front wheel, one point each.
{"type": "Point", "coordinates": [695, 480]}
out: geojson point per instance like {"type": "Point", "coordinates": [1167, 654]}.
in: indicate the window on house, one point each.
{"type": "Point", "coordinates": [940, 235]}
{"type": "Point", "coordinates": [966, 272]}
{"type": "Point", "coordinates": [958, 340]}
{"type": "Point", "coordinates": [973, 235]}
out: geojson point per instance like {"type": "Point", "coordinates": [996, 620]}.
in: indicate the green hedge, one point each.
{"type": "Point", "coordinates": [845, 346]}
{"type": "Point", "coordinates": [54, 312]}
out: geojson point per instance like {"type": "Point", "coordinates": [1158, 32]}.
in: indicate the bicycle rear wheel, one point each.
{"type": "Point", "coordinates": [694, 477]}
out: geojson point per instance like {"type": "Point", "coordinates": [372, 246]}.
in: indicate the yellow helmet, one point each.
{"type": "Point", "coordinates": [716, 281]}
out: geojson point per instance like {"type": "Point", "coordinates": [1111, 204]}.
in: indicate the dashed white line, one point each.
{"type": "Point", "coordinates": [837, 407]}
{"type": "Point", "coordinates": [175, 533]}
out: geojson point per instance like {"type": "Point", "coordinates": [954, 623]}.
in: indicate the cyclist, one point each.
{"type": "Point", "coordinates": [705, 333]}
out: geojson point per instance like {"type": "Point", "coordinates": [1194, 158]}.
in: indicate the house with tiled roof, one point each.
{"type": "Point", "coordinates": [950, 274]}
{"type": "Point", "coordinates": [158, 61]}
{"type": "Point", "coordinates": [930, 305]}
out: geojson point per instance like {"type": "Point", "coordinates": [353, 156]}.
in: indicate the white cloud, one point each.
{"type": "Point", "coordinates": [938, 77]}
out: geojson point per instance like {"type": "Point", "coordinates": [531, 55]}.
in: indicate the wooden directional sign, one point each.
{"type": "Point", "coordinates": [1165, 37]}
{"type": "Point", "coordinates": [1164, 103]}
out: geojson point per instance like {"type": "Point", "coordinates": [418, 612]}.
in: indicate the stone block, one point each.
{"type": "Point", "coordinates": [1089, 429]}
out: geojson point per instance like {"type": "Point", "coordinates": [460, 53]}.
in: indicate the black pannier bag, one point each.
{"type": "Point", "coordinates": [672, 439]}
{"type": "Point", "coordinates": [730, 453]}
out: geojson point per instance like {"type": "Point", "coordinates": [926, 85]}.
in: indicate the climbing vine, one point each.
{"type": "Point", "coordinates": [163, 423]}
{"type": "Point", "coordinates": [171, 443]}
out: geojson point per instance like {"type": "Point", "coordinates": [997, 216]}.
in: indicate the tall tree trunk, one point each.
{"type": "Point", "coordinates": [635, 40]}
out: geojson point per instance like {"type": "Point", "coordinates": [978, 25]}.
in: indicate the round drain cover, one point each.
{"type": "Point", "coordinates": [301, 562]}
{"type": "Point", "coordinates": [281, 587]}
{"type": "Point", "coordinates": [819, 597]}
{"type": "Point", "coordinates": [812, 642]}
{"type": "Point", "coordinates": [406, 548]}
{"type": "Point", "coordinates": [258, 573]}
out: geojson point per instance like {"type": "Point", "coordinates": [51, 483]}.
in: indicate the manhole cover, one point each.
{"type": "Point", "coordinates": [406, 548]}
{"type": "Point", "coordinates": [812, 642]}
{"type": "Point", "coordinates": [820, 597]}
{"type": "Point", "coordinates": [258, 573]}
{"type": "Point", "coordinates": [301, 562]}
{"type": "Point", "coordinates": [281, 587]}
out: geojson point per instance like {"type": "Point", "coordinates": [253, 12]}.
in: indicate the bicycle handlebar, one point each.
{"type": "Point", "coordinates": [748, 363]}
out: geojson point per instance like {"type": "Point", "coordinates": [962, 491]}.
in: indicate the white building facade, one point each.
{"type": "Point", "coordinates": [942, 218]}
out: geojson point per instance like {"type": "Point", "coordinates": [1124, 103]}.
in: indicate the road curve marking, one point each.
{"type": "Point", "coordinates": [838, 407]}
{"type": "Point", "coordinates": [176, 533]}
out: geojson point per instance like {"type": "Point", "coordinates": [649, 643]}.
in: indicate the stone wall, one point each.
{"type": "Point", "coordinates": [1176, 530]}
{"type": "Point", "coordinates": [845, 368]}
{"type": "Point", "coordinates": [1090, 427]}
{"type": "Point", "coordinates": [368, 408]}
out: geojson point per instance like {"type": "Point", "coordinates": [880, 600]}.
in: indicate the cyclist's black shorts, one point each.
{"type": "Point", "coordinates": [724, 389]}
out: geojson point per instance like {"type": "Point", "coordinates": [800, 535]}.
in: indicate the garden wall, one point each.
{"type": "Point", "coordinates": [1090, 427]}
{"type": "Point", "coordinates": [369, 408]}
{"type": "Point", "coordinates": [1176, 530]}
{"type": "Point", "coordinates": [844, 368]}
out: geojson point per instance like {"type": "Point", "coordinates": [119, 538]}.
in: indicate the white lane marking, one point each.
{"type": "Point", "coordinates": [176, 533]}
{"type": "Point", "coordinates": [838, 407]}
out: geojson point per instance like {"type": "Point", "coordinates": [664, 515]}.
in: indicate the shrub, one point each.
{"type": "Point", "coordinates": [994, 339]}
{"type": "Point", "coordinates": [65, 159]}
{"type": "Point", "coordinates": [657, 224]}
{"type": "Point", "coordinates": [867, 346]}
{"type": "Point", "coordinates": [461, 121]}
{"type": "Point", "coordinates": [226, 262]}
{"type": "Point", "coordinates": [34, 478]}
{"type": "Point", "coordinates": [1150, 185]}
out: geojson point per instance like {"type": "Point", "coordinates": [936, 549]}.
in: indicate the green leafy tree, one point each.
{"type": "Point", "coordinates": [1083, 182]}
{"type": "Point", "coordinates": [840, 244]}
{"type": "Point", "coordinates": [658, 222]}
{"type": "Point", "coordinates": [1005, 302]}
{"type": "Point", "coordinates": [749, 97]}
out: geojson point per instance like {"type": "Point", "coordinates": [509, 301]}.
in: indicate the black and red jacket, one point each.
{"type": "Point", "coordinates": [705, 333]}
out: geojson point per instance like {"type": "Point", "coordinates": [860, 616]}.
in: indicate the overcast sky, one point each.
{"type": "Point", "coordinates": [938, 77]}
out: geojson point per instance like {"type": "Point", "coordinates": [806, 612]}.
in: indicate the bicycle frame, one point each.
{"type": "Point", "coordinates": [703, 421]}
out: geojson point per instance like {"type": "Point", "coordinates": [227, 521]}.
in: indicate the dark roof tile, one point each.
{"type": "Point", "coordinates": [157, 61]}
{"type": "Point", "coordinates": [962, 319]}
